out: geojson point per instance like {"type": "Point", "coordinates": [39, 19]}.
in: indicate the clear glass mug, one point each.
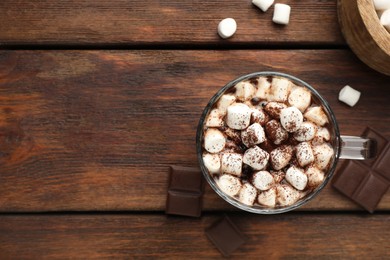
{"type": "Point", "coordinates": [345, 147]}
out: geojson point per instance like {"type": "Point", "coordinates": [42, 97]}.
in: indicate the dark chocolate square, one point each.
{"type": "Point", "coordinates": [225, 236]}
{"type": "Point", "coordinates": [184, 203]}
{"type": "Point", "coordinates": [381, 143]}
{"type": "Point", "coordinates": [382, 167]}
{"type": "Point", "coordinates": [349, 177]}
{"type": "Point", "coordinates": [371, 192]}
{"type": "Point", "coordinates": [185, 179]}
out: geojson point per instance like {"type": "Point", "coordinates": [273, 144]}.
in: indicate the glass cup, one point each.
{"type": "Point", "coordinates": [345, 147]}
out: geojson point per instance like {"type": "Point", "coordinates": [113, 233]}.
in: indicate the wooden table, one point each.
{"type": "Point", "coordinates": [98, 98]}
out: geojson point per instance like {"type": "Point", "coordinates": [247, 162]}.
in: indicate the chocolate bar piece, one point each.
{"type": "Point", "coordinates": [185, 191]}
{"type": "Point", "coordinates": [225, 236]}
{"type": "Point", "coordinates": [365, 182]}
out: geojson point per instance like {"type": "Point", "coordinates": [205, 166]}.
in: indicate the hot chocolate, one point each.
{"type": "Point", "coordinates": [267, 142]}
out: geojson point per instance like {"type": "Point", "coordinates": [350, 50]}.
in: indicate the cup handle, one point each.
{"type": "Point", "coordinates": [357, 148]}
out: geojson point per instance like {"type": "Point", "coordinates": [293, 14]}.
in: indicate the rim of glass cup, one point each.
{"type": "Point", "coordinates": [257, 208]}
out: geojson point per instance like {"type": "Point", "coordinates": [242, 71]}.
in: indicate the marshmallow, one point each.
{"type": "Point", "coordinates": [275, 132]}
{"type": "Point", "coordinates": [267, 198]}
{"type": "Point", "coordinates": [234, 135]}
{"type": "Point", "coordinates": [300, 98]}
{"type": "Point", "coordinates": [323, 154]}
{"type": "Point", "coordinates": [212, 162]}
{"type": "Point", "coordinates": [258, 116]}
{"type": "Point", "coordinates": [291, 119]}
{"type": "Point", "coordinates": [382, 4]}
{"type": "Point", "coordinates": [263, 180]}
{"type": "Point", "coordinates": [281, 156]}
{"type": "Point", "coordinates": [247, 194]}
{"type": "Point", "coordinates": [306, 132]}
{"type": "Point", "coordinates": [256, 158]}
{"type": "Point", "coordinates": [224, 102]}
{"type": "Point", "coordinates": [254, 134]}
{"type": "Point", "coordinates": [231, 163]}
{"type": "Point", "coordinates": [296, 177]}
{"type": "Point", "coordinates": [263, 4]}
{"type": "Point", "coordinates": [316, 115]}
{"type": "Point", "coordinates": [229, 184]}
{"type": "Point", "coordinates": [280, 88]}
{"type": "Point", "coordinates": [304, 154]}
{"type": "Point", "coordinates": [215, 119]}
{"type": "Point", "coordinates": [238, 116]}
{"type": "Point", "coordinates": [286, 195]}
{"type": "Point", "coordinates": [385, 18]}
{"type": "Point", "coordinates": [227, 27]}
{"type": "Point", "coordinates": [244, 90]}
{"type": "Point", "coordinates": [281, 14]}
{"type": "Point", "coordinates": [263, 88]}
{"type": "Point", "coordinates": [315, 176]}
{"type": "Point", "coordinates": [274, 109]}
{"type": "Point", "coordinates": [349, 95]}
{"type": "Point", "coordinates": [214, 140]}
{"type": "Point", "coordinates": [321, 136]}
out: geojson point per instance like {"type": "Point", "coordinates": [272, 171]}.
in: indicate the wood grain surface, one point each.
{"type": "Point", "coordinates": [127, 236]}
{"type": "Point", "coordinates": [97, 130]}
{"type": "Point", "coordinates": [130, 22]}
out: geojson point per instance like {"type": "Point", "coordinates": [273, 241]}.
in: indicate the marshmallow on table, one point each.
{"type": "Point", "coordinates": [296, 177]}
{"type": "Point", "coordinates": [263, 4]}
{"type": "Point", "coordinates": [349, 95]}
{"type": "Point", "coordinates": [300, 98]}
{"type": "Point", "coordinates": [227, 27]}
{"type": "Point", "coordinates": [254, 134]}
{"type": "Point", "coordinates": [238, 116]}
{"type": "Point", "coordinates": [229, 184]}
{"type": "Point", "coordinates": [306, 132]}
{"type": "Point", "coordinates": [231, 163]}
{"type": "Point", "coordinates": [256, 158]}
{"type": "Point", "coordinates": [263, 180]}
{"type": "Point", "coordinates": [381, 4]}
{"type": "Point", "coordinates": [247, 194]}
{"type": "Point", "coordinates": [267, 198]}
{"type": "Point", "coordinates": [214, 140]}
{"type": "Point", "coordinates": [281, 14]}
{"type": "Point", "coordinates": [385, 18]}
{"type": "Point", "coordinates": [291, 119]}
{"type": "Point", "coordinates": [212, 162]}
{"type": "Point", "coordinates": [323, 154]}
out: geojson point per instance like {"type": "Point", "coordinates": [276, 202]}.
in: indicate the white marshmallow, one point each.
{"type": "Point", "coordinates": [231, 163]}
{"type": "Point", "coordinates": [382, 4]}
{"type": "Point", "coordinates": [281, 156]}
{"type": "Point", "coordinates": [238, 116]}
{"type": "Point", "coordinates": [227, 27]}
{"type": "Point", "coordinates": [212, 162]}
{"type": "Point", "coordinates": [244, 90]}
{"type": "Point", "coordinates": [263, 180]}
{"type": "Point", "coordinates": [274, 108]}
{"type": "Point", "coordinates": [291, 119]}
{"type": "Point", "coordinates": [349, 95]}
{"type": "Point", "coordinates": [316, 115]}
{"type": "Point", "coordinates": [215, 119]}
{"type": "Point", "coordinates": [254, 134]}
{"type": "Point", "coordinates": [267, 198]}
{"type": "Point", "coordinates": [256, 158]}
{"type": "Point", "coordinates": [229, 184]}
{"type": "Point", "coordinates": [304, 154]}
{"type": "Point", "coordinates": [323, 154]}
{"type": "Point", "coordinates": [275, 132]}
{"type": "Point", "coordinates": [306, 132]}
{"type": "Point", "coordinates": [321, 136]}
{"type": "Point", "coordinates": [263, 88]}
{"type": "Point", "coordinates": [247, 194]}
{"type": "Point", "coordinates": [280, 89]}
{"type": "Point", "coordinates": [258, 116]}
{"type": "Point", "coordinates": [296, 177]}
{"type": "Point", "coordinates": [385, 18]}
{"type": "Point", "coordinates": [263, 4]}
{"type": "Point", "coordinates": [300, 98]}
{"type": "Point", "coordinates": [281, 14]}
{"type": "Point", "coordinates": [315, 176]}
{"type": "Point", "coordinates": [224, 102]}
{"type": "Point", "coordinates": [286, 195]}
{"type": "Point", "coordinates": [214, 140]}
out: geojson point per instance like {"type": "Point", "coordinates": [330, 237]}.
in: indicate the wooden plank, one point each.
{"type": "Point", "coordinates": [130, 22]}
{"type": "Point", "coordinates": [97, 130]}
{"type": "Point", "coordinates": [123, 236]}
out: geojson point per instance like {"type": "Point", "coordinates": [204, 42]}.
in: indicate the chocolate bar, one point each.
{"type": "Point", "coordinates": [185, 191]}
{"type": "Point", "coordinates": [365, 182]}
{"type": "Point", "coordinates": [225, 235]}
